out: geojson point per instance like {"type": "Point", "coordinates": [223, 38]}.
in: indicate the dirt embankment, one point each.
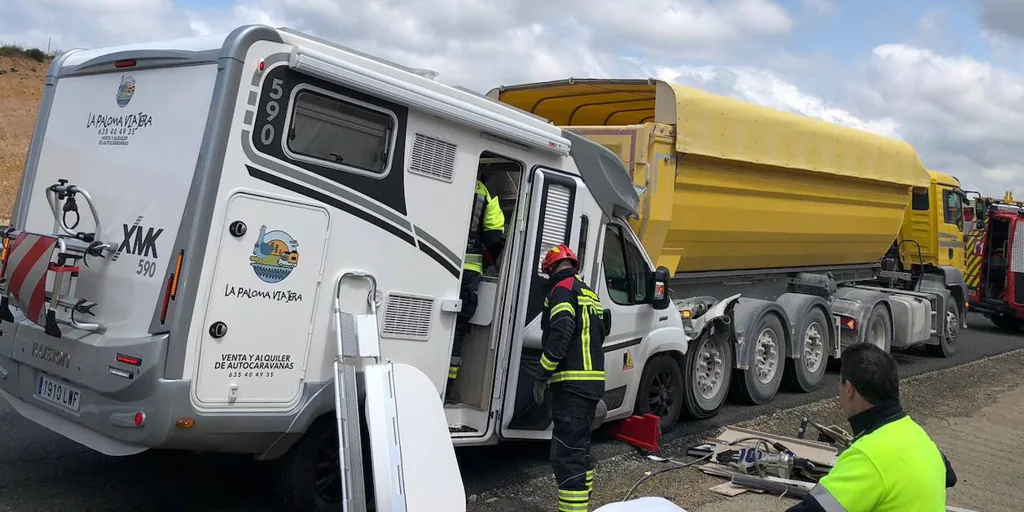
{"type": "Point", "coordinates": [21, 89]}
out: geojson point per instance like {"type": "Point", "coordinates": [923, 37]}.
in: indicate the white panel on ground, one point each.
{"type": "Point", "coordinates": [429, 473]}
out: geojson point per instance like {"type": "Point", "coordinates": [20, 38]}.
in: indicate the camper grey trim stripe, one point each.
{"type": "Point", "coordinates": [448, 253]}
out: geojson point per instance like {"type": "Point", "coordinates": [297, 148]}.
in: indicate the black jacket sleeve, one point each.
{"type": "Point", "coordinates": [809, 504]}
{"type": "Point", "coordinates": [950, 474]}
{"type": "Point", "coordinates": [561, 325]}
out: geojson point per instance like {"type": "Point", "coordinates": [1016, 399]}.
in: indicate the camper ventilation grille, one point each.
{"type": "Point", "coordinates": [433, 158]}
{"type": "Point", "coordinates": [556, 220]}
{"type": "Point", "coordinates": [407, 317]}
{"type": "Point", "coordinates": [1017, 256]}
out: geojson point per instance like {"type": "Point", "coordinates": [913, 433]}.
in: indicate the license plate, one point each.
{"type": "Point", "coordinates": [59, 393]}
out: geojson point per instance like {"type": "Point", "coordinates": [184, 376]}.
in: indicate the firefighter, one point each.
{"type": "Point", "coordinates": [892, 464]}
{"type": "Point", "coordinates": [572, 362]}
{"type": "Point", "coordinates": [486, 229]}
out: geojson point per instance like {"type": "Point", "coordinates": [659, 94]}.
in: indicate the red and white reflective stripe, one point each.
{"type": "Point", "coordinates": [27, 264]}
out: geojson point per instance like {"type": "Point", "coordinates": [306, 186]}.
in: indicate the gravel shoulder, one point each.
{"type": "Point", "coordinates": [973, 413]}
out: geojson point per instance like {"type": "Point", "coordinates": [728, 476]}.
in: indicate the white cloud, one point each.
{"type": "Point", "coordinates": [963, 116]}
{"type": "Point", "coordinates": [822, 7]}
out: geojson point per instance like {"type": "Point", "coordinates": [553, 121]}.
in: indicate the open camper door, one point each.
{"type": "Point", "coordinates": [554, 217]}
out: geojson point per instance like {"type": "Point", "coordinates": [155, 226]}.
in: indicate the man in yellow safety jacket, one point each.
{"type": "Point", "coordinates": [486, 231]}
{"type": "Point", "coordinates": [892, 464]}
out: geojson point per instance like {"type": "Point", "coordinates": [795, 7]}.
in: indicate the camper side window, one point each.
{"type": "Point", "coordinates": [339, 133]}
{"type": "Point", "coordinates": [625, 271]}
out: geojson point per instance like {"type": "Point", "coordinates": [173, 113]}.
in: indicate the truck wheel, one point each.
{"type": "Point", "coordinates": [947, 347]}
{"type": "Point", "coordinates": [1009, 324]}
{"type": "Point", "coordinates": [708, 370]}
{"type": "Point", "coordinates": [761, 380]}
{"type": "Point", "coordinates": [879, 328]}
{"type": "Point", "coordinates": [309, 475]}
{"type": "Point", "coordinates": [661, 391]}
{"type": "Point", "coordinates": [808, 372]}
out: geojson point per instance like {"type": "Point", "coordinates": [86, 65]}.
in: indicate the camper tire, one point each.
{"type": "Point", "coordinates": [807, 372]}
{"type": "Point", "coordinates": [301, 486]}
{"type": "Point", "coordinates": [758, 384]}
{"type": "Point", "coordinates": [661, 391]}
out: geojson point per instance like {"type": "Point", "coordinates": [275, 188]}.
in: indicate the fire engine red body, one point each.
{"type": "Point", "coordinates": [995, 261]}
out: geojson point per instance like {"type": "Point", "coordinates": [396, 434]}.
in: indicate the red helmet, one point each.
{"type": "Point", "coordinates": [556, 254]}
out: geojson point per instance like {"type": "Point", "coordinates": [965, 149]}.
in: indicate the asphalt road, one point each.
{"type": "Point", "coordinates": [41, 471]}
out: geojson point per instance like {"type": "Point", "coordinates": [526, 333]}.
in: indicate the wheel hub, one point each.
{"type": "Point", "coordinates": [326, 473]}
{"type": "Point", "coordinates": [709, 370]}
{"type": "Point", "coordinates": [952, 326]}
{"type": "Point", "coordinates": [814, 347]}
{"type": "Point", "coordinates": [660, 396]}
{"type": "Point", "coordinates": [766, 356]}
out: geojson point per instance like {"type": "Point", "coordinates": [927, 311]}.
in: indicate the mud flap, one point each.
{"type": "Point", "coordinates": [414, 464]}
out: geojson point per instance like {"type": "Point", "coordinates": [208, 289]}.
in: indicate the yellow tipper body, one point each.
{"type": "Point", "coordinates": [732, 185]}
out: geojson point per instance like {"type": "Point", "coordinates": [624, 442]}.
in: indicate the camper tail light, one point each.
{"type": "Point", "coordinates": [126, 63]}
{"type": "Point", "coordinates": [171, 290]}
{"type": "Point", "coordinates": [134, 361]}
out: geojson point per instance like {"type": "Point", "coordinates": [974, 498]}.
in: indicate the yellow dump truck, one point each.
{"type": "Point", "coordinates": [788, 218]}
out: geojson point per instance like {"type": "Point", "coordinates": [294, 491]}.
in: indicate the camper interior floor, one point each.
{"type": "Point", "coordinates": [464, 420]}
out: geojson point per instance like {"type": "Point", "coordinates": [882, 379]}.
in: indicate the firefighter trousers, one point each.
{"type": "Point", "coordinates": [467, 293]}
{"type": "Point", "coordinates": [570, 449]}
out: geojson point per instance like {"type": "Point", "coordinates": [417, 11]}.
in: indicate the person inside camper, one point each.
{"type": "Point", "coordinates": [486, 230]}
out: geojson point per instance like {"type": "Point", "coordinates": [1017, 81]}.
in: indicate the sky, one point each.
{"type": "Point", "coordinates": [947, 76]}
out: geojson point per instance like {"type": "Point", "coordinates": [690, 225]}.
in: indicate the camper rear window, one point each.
{"type": "Point", "coordinates": [340, 134]}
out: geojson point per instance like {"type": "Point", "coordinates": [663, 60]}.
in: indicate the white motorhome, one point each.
{"type": "Point", "coordinates": [187, 206]}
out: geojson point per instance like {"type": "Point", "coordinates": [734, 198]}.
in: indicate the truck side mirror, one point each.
{"type": "Point", "coordinates": [659, 285]}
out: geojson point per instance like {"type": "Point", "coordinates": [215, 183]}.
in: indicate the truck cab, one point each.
{"type": "Point", "coordinates": [933, 226]}
{"type": "Point", "coordinates": [995, 262]}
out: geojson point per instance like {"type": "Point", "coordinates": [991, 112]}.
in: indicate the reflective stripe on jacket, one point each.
{"type": "Point", "coordinates": [893, 466]}
{"type": "Point", "coordinates": [575, 325]}
{"type": "Point", "coordinates": [486, 216]}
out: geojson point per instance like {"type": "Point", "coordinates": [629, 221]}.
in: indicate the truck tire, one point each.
{"type": "Point", "coordinates": [707, 370]}
{"type": "Point", "coordinates": [761, 380]}
{"type": "Point", "coordinates": [309, 475]}
{"type": "Point", "coordinates": [661, 391]}
{"type": "Point", "coordinates": [879, 328]}
{"type": "Point", "coordinates": [807, 372]}
{"type": "Point", "coordinates": [1010, 324]}
{"type": "Point", "coordinates": [947, 347]}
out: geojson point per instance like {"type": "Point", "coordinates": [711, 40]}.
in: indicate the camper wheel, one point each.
{"type": "Point", "coordinates": [309, 475]}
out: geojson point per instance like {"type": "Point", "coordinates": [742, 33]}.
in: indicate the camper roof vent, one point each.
{"type": "Point", "coordinates": [429, 74]}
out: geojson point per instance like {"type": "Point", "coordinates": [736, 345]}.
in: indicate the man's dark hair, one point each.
{"type": "Point", "coordinates": [872, 371]}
